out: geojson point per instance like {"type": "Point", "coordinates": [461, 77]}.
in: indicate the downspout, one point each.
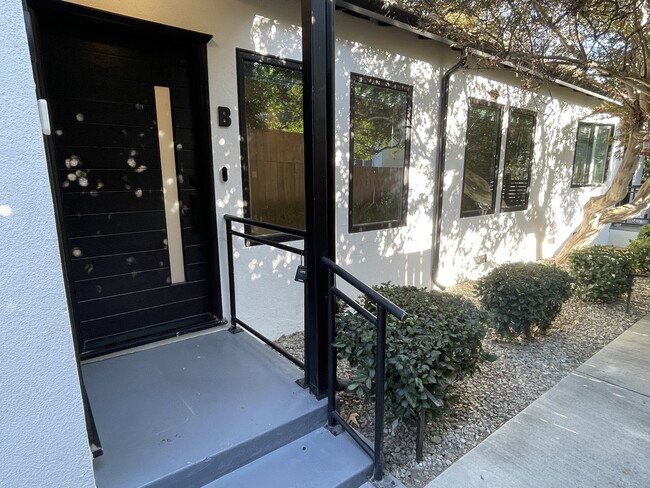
{"type": "Point", "coordinates": [440, 170]}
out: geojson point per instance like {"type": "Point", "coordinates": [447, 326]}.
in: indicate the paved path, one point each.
{"type": "Point", "coordinates": [591, 430]}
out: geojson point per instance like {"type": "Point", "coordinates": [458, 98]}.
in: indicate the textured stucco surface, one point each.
{"type": "Point", "coordinates": [401, 255]}
{"type": "Point", "coordinates": [42, 433]}
{"type": "Point", "coordinates": [268, 298]}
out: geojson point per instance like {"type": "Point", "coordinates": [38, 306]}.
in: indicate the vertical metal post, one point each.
{"type": "Point", "coordinates": [231, 276]}
{"type": "Point", "coordinates": [330, 99]}
{"type": "Point", "coordinates": [305, 322]}
{"type": "Point", "coordinates": [318, 109]}
{"type": "Point", "coordinates": [93, 436]}
{"type": "Point", "coordinates": [419, 437]}
{"type": "Point", "coordinates": [380, 373]}
{"type": "Point", "coordinates": [630, 285]}
{"type": "Point", "coordinates": [331, 351]}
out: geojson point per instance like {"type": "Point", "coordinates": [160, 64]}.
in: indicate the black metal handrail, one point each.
{"type": "Point", "coordinates": [267, 225]}
{"type": "Point", "coordinates": [234, 320]}
{"type": "Point", "coordinates": [383, 306]}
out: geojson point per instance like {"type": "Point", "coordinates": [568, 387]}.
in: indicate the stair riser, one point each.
{"type": "Point", "coordinates": [209, 469]}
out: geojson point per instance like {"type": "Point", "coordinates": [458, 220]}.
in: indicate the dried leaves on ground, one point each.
{"type": "Point", "coordinates": [522, 372]}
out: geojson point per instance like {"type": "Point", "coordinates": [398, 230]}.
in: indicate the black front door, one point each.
{"type": "Point", "coordinates": [131, 168]}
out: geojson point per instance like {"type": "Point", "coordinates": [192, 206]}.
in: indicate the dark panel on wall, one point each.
{"type": "Point", "coordinates": [99, 80]}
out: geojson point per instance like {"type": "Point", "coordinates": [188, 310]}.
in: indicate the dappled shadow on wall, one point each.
{"type": "Point", "coordinates": [486, 240]}
{"type": "Point", "coordinates": [401, 253]}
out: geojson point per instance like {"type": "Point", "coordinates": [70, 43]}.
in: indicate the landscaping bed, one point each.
{"type": "Point", "coordinates": [522, 372]}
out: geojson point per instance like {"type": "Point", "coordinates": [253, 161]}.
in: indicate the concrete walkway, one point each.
{"type": "Point", "coordinates": [591, 430]}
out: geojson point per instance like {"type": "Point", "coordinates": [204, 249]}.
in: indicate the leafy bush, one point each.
{"type": "Point", "coordinates": [521, 296]}
{"type": "Point", "coordinates": [639, 250]}
{"type": "Point", "coordinates": [437, 344]}
{"type": "Point", "coordinates": [644, 232]}
{"type": "Point", "coordinates": [600, 273]}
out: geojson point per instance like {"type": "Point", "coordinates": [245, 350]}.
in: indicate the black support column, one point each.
{"type": "Point", "coordinates": [318, 105]}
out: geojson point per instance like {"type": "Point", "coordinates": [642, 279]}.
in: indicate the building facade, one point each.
{"type": "Point", "coordinates": [519, 163]}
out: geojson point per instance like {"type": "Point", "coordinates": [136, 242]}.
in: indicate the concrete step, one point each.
{"type": "Point", "coordinates": [187, 413]}
{"type": "Point", "coordinates": [316, 460]}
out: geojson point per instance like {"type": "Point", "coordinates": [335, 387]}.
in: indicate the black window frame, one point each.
{"type": "Point", "coordinates": [495, 172]}
{"type": "Point", "coordinates": [394, 85]}
{"type": "Point", "coordinates": [590, 143]}
{"type": "Point", "coordinates": [242, 56]}
{"type": "Point", "coordinates": [533, 114]}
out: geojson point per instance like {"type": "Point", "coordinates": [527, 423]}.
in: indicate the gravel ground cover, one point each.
{"type": "Point", "coordinates": [522, 372]}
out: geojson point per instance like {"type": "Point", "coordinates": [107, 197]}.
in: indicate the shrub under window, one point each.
{"type": "Point", "coordinates": [436, 345]}
{"type": "Point", "coordinates": [639, 250]}
{"type": "Point", "coordinates": [644, 232]}
{"type": "Point", "coordinates": [522, 296]}
{"type": "Point", "coordinates": [379, 153]}
{"type": "Point", "coordinates": [601, 273]}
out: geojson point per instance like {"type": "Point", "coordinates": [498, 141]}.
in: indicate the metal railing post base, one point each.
{"type": "Point", "coordinates": [386, 482]}
{"type": "Point", "coordinates": [335, 429]}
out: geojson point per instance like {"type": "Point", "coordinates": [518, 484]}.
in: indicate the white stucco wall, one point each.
{"type": "Point", "coordinates": [42, 431]}
{"type": "Point", "coordinates": [265, 278]}
{"type": "Point", "coordinates": [554, 209]}
{"type": "Point", "coordinates": [267, 296]}
{"type": "Point", "coordinates": [401, 255]}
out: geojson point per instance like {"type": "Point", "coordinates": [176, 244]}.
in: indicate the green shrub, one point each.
{"type": "Point", "coordinates": [600, 273]}
{"type": "Point", "coordinates": [437, 344]}
{"type": "Point", "coordinates": [521, 296]}
{"type": "Point", "coordinates": [644, 232]}
{"type": "Point", "coordinates": [639, 250]}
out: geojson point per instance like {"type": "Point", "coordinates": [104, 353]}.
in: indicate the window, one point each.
{"type": "Point", "coordinates": [379, 153]}
{"type": "Point", "coordinates": [593, 146]}
{"type": "Point", "coordinates": [481, 158]}
{"type": "Point", "coordinates": [518, 158]}
{"type": "Point", "coordinates": [272, 147]}
{"type": "Point", "coordinates": [482, 154]}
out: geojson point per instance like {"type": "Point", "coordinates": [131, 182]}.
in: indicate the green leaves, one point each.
{"type": "Point", "coordinates": [600, 273]}
{"type": "Point", "coordinates": [639, 250]}
{"type": "Point", "coordinates": [523, 296]}
{"type": "Point", "coordinates": [439, 343]}
{"type": "Point", "coordinates": [644, 232]}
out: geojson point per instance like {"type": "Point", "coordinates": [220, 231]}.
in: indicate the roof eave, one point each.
{"type": "Point", "coordinates": [389, 14]}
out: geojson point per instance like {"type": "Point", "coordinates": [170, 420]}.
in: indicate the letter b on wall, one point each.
{"type": "Point", "coordinates": [224, 116]}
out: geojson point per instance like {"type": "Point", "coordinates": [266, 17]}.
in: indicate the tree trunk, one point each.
{"type": "Point", "coordinates": [598, 210]}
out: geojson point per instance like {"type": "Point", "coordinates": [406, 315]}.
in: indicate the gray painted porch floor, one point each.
{"type": "Point", "coordinates": [186, 413]}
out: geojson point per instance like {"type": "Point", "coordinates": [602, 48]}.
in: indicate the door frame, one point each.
{"type": "Point", "coordinates": [203, 135]}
